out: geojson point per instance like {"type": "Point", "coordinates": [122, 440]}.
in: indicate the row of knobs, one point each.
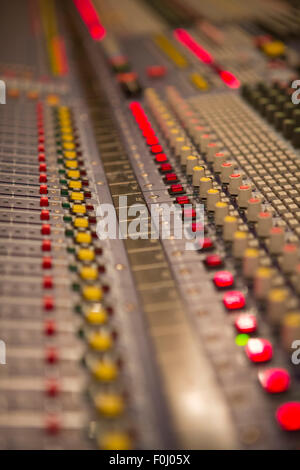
{"type": "Point", "coordinates": [237, 241]}
{"type": "Point", "coordinates": [275, 104]}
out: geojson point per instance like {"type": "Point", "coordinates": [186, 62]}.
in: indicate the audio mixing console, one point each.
{"type": "Point", "coordinates": [147, 341]}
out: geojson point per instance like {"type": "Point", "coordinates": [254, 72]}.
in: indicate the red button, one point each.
{"type": "Point", "coordinates": [43, 167]}
{"type": "Point", "coordinates": [46, 229]}
{"type": "Point", "coordinates": [50, 327]}
{"type": "Point", "coordinates": [223, 279]}
{"type": "Point", "coordinates": [176, 188]}
{"type": "Point", "coordinates": [41, 157]}
{"type": "Point", "coordinates": [47, 282]}
{"type": "Point", "coordinates": [156, 149]}
{"type": "Point", "coordinates": [259, 350]}
{"type": "Point", "coordinates": [52, 387]}
{"type": "Point", "coordinates": [43, 178]}
{"type": "Point", "coordinates": [161, 158]}
{"type": "Point", "coordinates": [43, 189]}
{"type": "Point", "coordinates": [170, 177]}
{"type": "Point", "coordinates": [165, 167]}
{"type": "Point", "coordinates": [246, 323]}
{"type": "Point", "coordinates": [213, 261]}
{"type": "Point", "coordinates": [152, 140]}
{"type": "Point", "coordinates": [41, 148]}
{"type": "Point", "coordinates": [47, 262]}
{"type": "Point", "coordinates": [156, 71]}
{"type": "Point", "coordinates": [148, 132]}
{"type": "Point", "coordinates": [44, 202]}
{"type": "Point", "coordinates": [44, 215]}
{"type": "Point", "coordinates": [48, 303]}
{"type": "Point", "coordinates": [182, 200]}
{"type": "Point", "coordinates": [288, 416]}
{"type": "Point", "coordinates": [234, 300]}
{"type": "Point", "coordinates": [41, 139]}
{"type": "Point", "coordinates": [46, 245]}
{"type": "Point", "coordinates": [274, 380]}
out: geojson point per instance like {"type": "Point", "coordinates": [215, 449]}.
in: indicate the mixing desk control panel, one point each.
{"type": "Point", "coordinates": [117, 340]}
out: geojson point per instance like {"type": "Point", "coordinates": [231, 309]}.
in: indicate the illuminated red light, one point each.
{"type": "Point", "coordinates": [188, 41]}
{"type": "Point", "coordinates": [246, 323]}
{"type": "Point", "coordinates": [91, 19]}
{"type": "Point", "coordinates": [259, 350]}
{"type": "Point", "coordinates": [204, 56]}
{"type": "Point", "coordinates": [274, 380]}
{"type": "Point", "coordinates": [213, 261]}
{"type": "Point", "coordinates": [156, 149]}
{"type": "Point", "coordinates": [170, 177]}
{"type": "Point", "coordinates": [161, 158]}
{"type": "Point", "coordinates": [229, 79]}
{"type": "Point", "coordinates": [288, 416]}
{"type": "Point", "coordinates": [234, 300]}
{"type": "Point", "coordinates": [182, 200]}
{"type": "Point", "coordinates": [223, 279]}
